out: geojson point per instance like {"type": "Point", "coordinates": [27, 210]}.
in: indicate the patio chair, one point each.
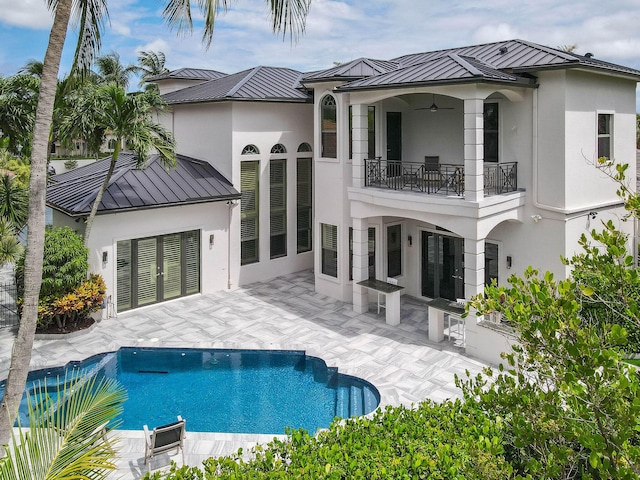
{"type": "Point", "coordinates": [381, 303]}
{"type": "Point", "coordinates": [432, 175]}
{"type": "Point", "coordinates": [164, 438]}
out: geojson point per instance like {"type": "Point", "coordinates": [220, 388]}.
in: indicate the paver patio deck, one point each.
{"type": "Point", "coordinates": [284, 313]}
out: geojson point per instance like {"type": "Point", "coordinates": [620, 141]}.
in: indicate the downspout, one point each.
{"type": "Point", "coordinates": [230, 205]}
{"type": "Point", "coordinates": [534, 153]}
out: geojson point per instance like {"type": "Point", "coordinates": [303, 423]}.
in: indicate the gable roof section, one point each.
{"type": "Point", "coordinates": [502, 62]}
{"type": "Point", "coordinates": [361, 67]}
{"type": "Point", "coordinates": [256, 84]}
{"type": "Point", "coordinates": [190, 181]}
{"type": "Point", "coordinates": [188, 74]}
{"type": "Point", "coordinates": [450, 68]}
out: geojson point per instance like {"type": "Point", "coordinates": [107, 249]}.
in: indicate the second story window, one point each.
{"type": "Point", "coordinates": [605, 133]}
{"type": "Point", "coordinates": [328, 126]}
{"type": "Point", "coordinates": [491, 140]}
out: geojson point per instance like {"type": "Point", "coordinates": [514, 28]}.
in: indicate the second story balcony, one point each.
{"type": "Point", "coordinates": [437, 178]}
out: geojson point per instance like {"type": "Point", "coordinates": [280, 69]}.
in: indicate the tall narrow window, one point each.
{"type": "Point", "coordinates": [329, 127]}
{"type": "Point", "coordinates": [491, 124]}
{"type": "Point", "coordinates": [490, 263]}
{"type": "Point", "coordinates": [394, 250]}
{"type": "Point", "coordinates": [304, 196]}
{"type": "Point", "coordinates": [371, 131]}
{"type": "Point", "coordinates": [329, 258]}
{"type": "Point", "coordinates": [371, 251]}
{"type": "Point", "coordinates": [278, 206]}
{"type": "Point", "coordinates": [249, 208]}
{"type": "Point", "coordinates": [604, 135]}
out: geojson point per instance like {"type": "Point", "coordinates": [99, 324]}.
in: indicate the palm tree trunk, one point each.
{"type": "Point", "coordinates": [105, 184]}
{"type": "Point", "coordinates": [21, 353]}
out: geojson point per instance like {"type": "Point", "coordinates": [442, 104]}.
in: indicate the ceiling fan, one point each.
{"type": "Point", "coordinates": [434, 107]}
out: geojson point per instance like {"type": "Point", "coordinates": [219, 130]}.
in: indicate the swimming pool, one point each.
{"type": "Point", "coordinates": [217, 390]}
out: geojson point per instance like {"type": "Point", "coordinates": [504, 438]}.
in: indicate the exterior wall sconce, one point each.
{"type": "Point", "coordinates": [211, 241]}
{"type": "Point", "coordinates": [536, 218]}
{"type": "Point", "coordinates": [509, 261]}
{"type": "Point", "coordinates": [105, 257]}
{"type": "Point", "coordinates": [593, 215]}
{"type": "Point", "coordinates": [410, 240]}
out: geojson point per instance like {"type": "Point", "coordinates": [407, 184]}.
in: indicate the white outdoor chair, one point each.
{"type": "Point", "coordinates": [381, 303]}
{"type": "Point", "coordinates": [164, 438]}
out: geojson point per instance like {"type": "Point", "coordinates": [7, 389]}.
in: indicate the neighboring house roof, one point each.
{"type": "Point", "coordinates": [361, 67]}
{"type": "Point", "coordinates": [190, 181]}
{"type": "Point", "coordinates": [256, 84]}
{"type": "Point", "coordinates": [188, 74]}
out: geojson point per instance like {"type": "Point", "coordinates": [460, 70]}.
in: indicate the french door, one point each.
{"type": "Point", "coordinates": [442, 266]}
{"type": "Point", "coordinates": [154, 269]}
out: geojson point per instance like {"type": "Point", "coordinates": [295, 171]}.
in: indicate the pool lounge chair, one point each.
{"type": "Point", "coordinates": [164, 438]}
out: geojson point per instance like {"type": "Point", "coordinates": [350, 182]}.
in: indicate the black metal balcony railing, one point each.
{"type": "Point", "coordinates": [444, 179]}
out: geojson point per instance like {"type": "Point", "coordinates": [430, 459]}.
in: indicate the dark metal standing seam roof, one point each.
{"type": "Point", "coordinates": [361, 67]}
{"type": "Point", "coordinates": [189, 74]}
{"type": "Point", "coordinates": [256, 84]}
{"type": "Point", "coordinates": [190, 181]}
{"type": "Point", "coordinates": [444, 69]}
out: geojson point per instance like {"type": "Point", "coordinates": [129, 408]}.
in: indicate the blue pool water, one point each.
{"type": "Point", "coordinates": [236, 391]}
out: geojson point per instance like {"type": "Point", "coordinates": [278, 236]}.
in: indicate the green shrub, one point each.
{"type": "Point", "coordinates": [452, 440]}
{"type": "Point", "coordinates": [66, 295]}
{"type": "Point", "coordinates": [71, 164]}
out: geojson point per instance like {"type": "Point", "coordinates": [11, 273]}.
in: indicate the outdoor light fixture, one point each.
{"type": "Point", "coordinates": [105, 256]}
{"type": "Point", "coordinates": [593, 215]}
{"type": "Point", "coordinates": [211, 241]}
{"type": "Point", "coordinates": [536, 218]}
{"type": "Point", "coordinates": [410, 239]}
{"type": "Point", "coordinates": [508, 261]}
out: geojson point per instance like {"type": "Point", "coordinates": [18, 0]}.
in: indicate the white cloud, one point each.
{"type": "Point", "coordinates": [25, 13]}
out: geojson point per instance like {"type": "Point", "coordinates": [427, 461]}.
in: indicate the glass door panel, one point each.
{"type": "Point", "coordinates": [147, 267]}
{"type": "Point", "coordinates": [172, 266]}
{"type": "Point", "coordinates": [442, 266]}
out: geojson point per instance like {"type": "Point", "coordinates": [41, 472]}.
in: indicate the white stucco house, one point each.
{"type": "Point", "coordinates": [441, 170]}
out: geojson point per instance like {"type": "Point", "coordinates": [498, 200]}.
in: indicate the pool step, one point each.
{"type": "Point", "coordinates": [355, 400]}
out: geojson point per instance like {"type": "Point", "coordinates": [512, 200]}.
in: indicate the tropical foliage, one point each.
{"type": "Point", "coordinates": [127, 117]}
{"type": "Point", "coordinates": [14, 201]}
{"type": "Point", "coordinates": [10, 247]}
{"type": "Point", "coordinates": [18, 100]}
{"type": "Point", "coordinates": [66, 438]}
{"type": "Point", "coordinates": [66, 295]}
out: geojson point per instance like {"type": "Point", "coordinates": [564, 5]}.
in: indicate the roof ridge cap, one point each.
{"type": "Point", "coordinates": [91, 196]}
{"type": "Point", "coordinates": [464, 63]}
{"type": "Point", "coordinates": [550, 50]}
{"type": "Point", "coordinates": [242, 82]}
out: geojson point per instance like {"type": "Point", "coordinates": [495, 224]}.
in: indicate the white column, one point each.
{"type": "Point", "coordinates": [473, 267]}
{"type": "Point", "coordinates": [360, 145]}
{"type": "Point", "coordinates": [473, 149]}
{"type": "Point", "coordinates": [360, 264]}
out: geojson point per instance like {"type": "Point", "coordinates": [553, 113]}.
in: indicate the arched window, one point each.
{"type": "Point", "coordinates": [250, 150]}
{"type": "Point", "coordinates": [304, 147]}
{"type": "Point", "coordinates": [328, 126]}
{"type": "Point", "coordinates": [278, 148]}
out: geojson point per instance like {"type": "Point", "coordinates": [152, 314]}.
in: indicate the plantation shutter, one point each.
{"type": "Point", "coordinates": [147, 268]}
{"type": "Point", "coordinates": [304, 216]}
{"type": "Point", "coordinates": [123, 267]}
{"type": "Point", "coordinates": [249, 210]}
{"type": "Point", "coordinates": [278, 205]}
{"type": "Point", "coordinates": [192, 254]}
{"type": "Point", "coordinates": [172, 266]}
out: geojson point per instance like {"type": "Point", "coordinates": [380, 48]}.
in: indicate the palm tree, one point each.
{"type": "Point", "coordinates": [129, 117]}
{"type": "Point", "coordinates": [18, 101]}
{"type": "Point", "coordinates": [150, 64]}
{"type": "Point", "coordinates": [32, 67]}
{"type": "Point", "coordinates": [14, 201]}
{"type": "Point", "coordinates": [110, 70]}
{"type": "Point", "coordinates": [10, 246]}
{"type": "Point", "coordinates": [66, 438]}
{"type": "Point", "coordinates": [288, 16]}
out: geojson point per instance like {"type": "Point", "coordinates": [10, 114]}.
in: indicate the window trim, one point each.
{"type": "Point", "coordinates": [326, 98]}
{"type": "Point", "coordinates": [322, 251]}
{"type": "Point", "coordinates": [610, 136]}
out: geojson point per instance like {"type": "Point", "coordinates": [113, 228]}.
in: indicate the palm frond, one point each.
{"type": "Point", "coordinates": [65, 438]}
{"type": "Point", "coordinates": [90, 18]}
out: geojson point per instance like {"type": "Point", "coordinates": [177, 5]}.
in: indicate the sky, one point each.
{"type": "Point", "coordinates": [336, 31]}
